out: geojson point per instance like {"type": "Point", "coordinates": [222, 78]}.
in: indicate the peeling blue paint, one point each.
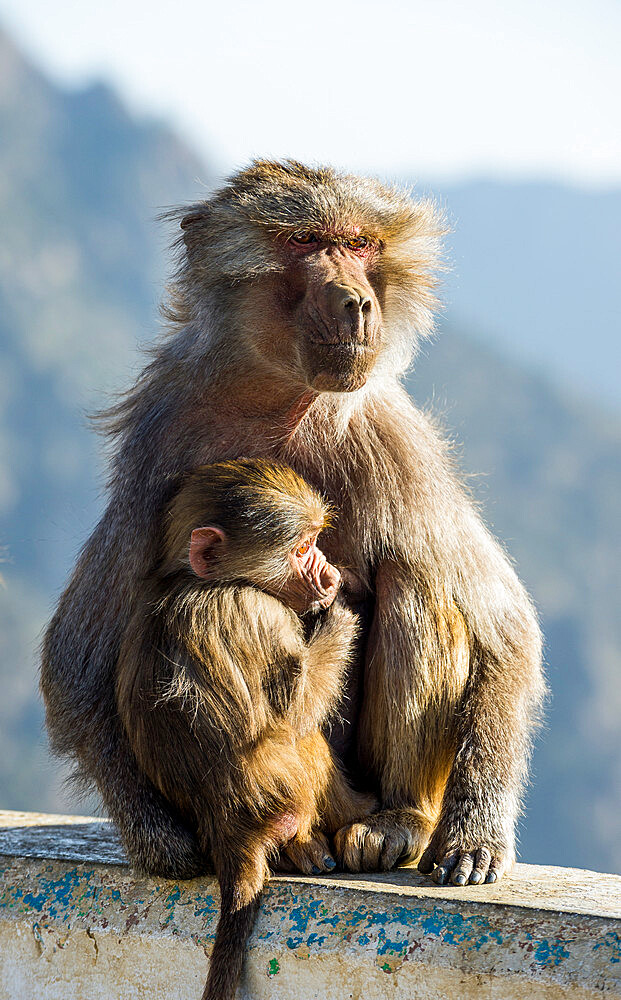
{"type": "Point", "coordinates": [611, 941]}
{"type": "Point", "coordinates": [204, 907]}
{"type": "Point", "coordinates": [60, 896]}
{"type": "Point", "coordinates": [317, 939]}
{"type": "Point", "coordinates": [548, 953]}
{"type": "Point", "coordinates": [388, 947]}
{"type": "Point", "coordinates": [307, 921]}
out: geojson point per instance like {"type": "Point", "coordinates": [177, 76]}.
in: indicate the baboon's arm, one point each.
{"type": "Point", "coordinates": [324, 660]}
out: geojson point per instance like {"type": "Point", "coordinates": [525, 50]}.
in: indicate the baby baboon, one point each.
{"type": "Point", "coordinates": [299, 301]}
{"type": "Point", "coordinates": [221, 693]}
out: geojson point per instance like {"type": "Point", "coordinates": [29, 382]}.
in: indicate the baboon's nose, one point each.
{"type": "Point", "coordinates": [352, 308]}
{"type": "Point", "coordinates": [346, 301]}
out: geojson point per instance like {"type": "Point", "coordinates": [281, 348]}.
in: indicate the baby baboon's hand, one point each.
{"type": "Point", "coordinates": [310, 855]}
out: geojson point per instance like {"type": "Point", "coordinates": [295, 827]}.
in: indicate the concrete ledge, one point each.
{"type": "Point", "coordinates": [75, 923]}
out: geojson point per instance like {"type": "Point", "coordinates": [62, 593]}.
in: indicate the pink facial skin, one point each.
{"type": "Point", "coordinates": [352, 242]}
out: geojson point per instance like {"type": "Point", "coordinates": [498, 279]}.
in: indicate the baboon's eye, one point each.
{"type": "Point", "coordinates": [303, 548]}
{"type": "Point", "coordinates": [305, 238]}
{"type": "Point", "coordinates": [357, 242]}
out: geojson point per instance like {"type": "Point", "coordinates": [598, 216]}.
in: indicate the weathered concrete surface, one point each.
{"type": "Point", "coordinates": [74, 923]}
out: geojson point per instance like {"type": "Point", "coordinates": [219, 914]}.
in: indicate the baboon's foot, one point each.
{"type": "Point", "coordinates": [480, 859]}
{"type": "Point", "coordinates": [381, 841]}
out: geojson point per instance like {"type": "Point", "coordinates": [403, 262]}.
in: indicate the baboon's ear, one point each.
{"type": "Point", "coordinates": [193, 218]}
{"type": "Point", "coordinates": [206, 545]}
{"type": "Point", "coordinates": [192, 224]}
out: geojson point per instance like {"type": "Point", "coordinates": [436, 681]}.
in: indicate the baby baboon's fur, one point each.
{"type": "Point", "coordinates": [221, 696]}
{"type": "Point", "coordinates": [300, 296]}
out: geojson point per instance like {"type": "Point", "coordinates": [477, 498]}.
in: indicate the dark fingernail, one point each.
{"type": "Point", "coordinates": [491, 877]}
{"type": "Point", "coordinates": [329, 862]}
{"type": "Point", "coordinates": [475, 878]}
{"type": "Point", "coordinates": [315, 870]}
{"type": "Point", "coordinates": [440, 876]}
{"type": "Point", "coordinates": [460, 880]}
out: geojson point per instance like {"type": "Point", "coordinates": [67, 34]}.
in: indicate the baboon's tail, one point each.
{"type": "Point", "coordinates": [238, 913]}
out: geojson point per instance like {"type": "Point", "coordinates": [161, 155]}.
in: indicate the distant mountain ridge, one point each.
{"type": "Point", "coordinates": [81, 270]}
{"type": "Point", "coordinates": [536, 271]}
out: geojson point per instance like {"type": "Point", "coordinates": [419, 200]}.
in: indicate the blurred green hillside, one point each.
{"type": "Point", "coordinates": [81, 271]}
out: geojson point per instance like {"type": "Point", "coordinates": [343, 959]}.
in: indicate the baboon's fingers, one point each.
{"type": "Point", "coordinates": [372, 849]}
{"type": "Point", "coordinates": [497, 868]}
{"type": "Point", "coordinates": [478, 866]}
{"type": "Point", "coordinates": [372, 845]}
{"type": "Point", "coordinates": [462, 867]}
{"type": "Point", "coordinates": [348, 846]}
{"type": "Point", "coordinates": [442, 871]}
{"type": "Point", "coordinates": [461, 872]}
{"type": "Point", "coordinates": [481, 867]}
{"type": "Point", "coordinates": [310, 856]}
{"type": "Point", "coordinates": [394, 846]}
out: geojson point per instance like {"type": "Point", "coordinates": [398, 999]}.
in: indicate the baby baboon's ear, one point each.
{"type": "Point", "coordinates": [206, 546]}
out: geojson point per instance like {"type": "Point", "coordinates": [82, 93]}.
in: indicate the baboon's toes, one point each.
{"type": "Point", "coordinates": [461, 867]}
{"type": "Point", "coordinates": [371, 845]}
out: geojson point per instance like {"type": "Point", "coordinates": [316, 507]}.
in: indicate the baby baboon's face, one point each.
{"type": "Point", "coordinates": [313, 582]}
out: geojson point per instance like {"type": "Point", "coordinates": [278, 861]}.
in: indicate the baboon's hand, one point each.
{"type": "Point", "coordinates": [479, 859]}
{"type": "Point", "coordinates": [378, 842]}
{"type": "Point", "coordinates": [310, 855]}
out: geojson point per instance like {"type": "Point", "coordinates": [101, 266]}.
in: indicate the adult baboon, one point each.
{"type": "Point", "coordinates": [298, 302]}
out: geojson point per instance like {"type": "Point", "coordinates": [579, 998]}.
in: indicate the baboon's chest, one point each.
{"type": "Point", "coordinates": [367, 508]}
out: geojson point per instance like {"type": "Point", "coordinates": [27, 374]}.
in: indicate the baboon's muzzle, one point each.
{"type": "Point", "coordinates": [345, 314]}
{"type": "Point", "coordinates": [341, 323]}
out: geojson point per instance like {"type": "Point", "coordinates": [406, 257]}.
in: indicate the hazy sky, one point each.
{"type": "Point", "coordinates": [435, 89]}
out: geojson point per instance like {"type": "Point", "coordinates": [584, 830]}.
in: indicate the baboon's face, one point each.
{"type": "Point", "coordinates": [333, 307]}
{"type": "Point", "coordinates": [318, 276]}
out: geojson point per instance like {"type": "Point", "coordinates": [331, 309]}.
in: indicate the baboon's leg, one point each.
{"type": "Point", "coordinates": [331, 803]}
{"type": "Point", "coordinates": [416, 673]}
{"type": "Point", "coordinates": [154, 836]}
